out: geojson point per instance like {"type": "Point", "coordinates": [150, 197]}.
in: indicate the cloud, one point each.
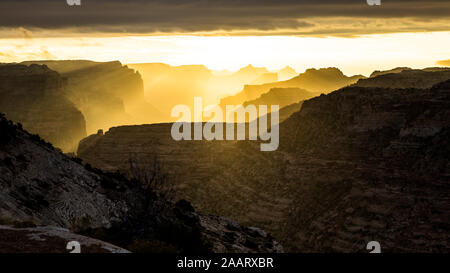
{"type": "Point", "coordinates": [443, 62]}
{"type": "Point", "coordinates": [235, 17]}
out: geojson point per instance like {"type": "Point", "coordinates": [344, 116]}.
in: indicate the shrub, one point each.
{"type": "Point", "coordinates": [151, 176]}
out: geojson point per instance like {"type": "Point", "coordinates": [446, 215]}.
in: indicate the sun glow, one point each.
{"type": "Point", "coordinates": [353, 55]}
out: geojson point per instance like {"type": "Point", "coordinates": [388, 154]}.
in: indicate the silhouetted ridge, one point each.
{"type": "Point", "coordinates": [317, 81]}
{"type": "Point", "coordinates": [407, 78]}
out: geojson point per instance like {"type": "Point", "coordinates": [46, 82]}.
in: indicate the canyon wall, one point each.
{"type": "Point", "coordinates": [34, 96]}
{"type": "Point", "coordinates": [108, 94]}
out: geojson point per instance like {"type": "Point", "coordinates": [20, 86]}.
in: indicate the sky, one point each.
{"type": "Point", "coordinates": [228, 34]}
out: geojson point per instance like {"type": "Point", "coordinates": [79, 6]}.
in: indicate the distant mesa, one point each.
{"type": "Point", "coordinates": [322, 80]}
{"type": "Point", "coordinates": [287, 73]}
{"type": "Point", "coordinates": [384, 72]}
{"type": "Point", "coordinates": [443, 62]}
{"type": "Point", "coordinates": [406, 78]}
{"type": "Point", "coordinates": [250, 70]}
{"type": "Point", "coordinates": [174, 85]}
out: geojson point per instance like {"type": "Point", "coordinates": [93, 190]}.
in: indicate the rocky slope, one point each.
{"type": "Point", "coordinates": [39, 185]}
{"type": "Point", "coordinates": [34, 96]}
{"type": "Point", "coordinates": [108, 94]}
{"type": "Point", "coordinates": [406, 78]}
{"type": "Point", "coordinates": [318, 81]}
{"type": "Point", "coordinates": [49, 239]}
{"type": "Point", "coordinates": [356, 165]}
{"type": "Point", "coordinates": [381, 168]}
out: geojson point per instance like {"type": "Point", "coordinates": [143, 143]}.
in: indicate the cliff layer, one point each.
{"type": "Point", "coordinates": [34, 96]}
{"type": "Point", "coordinates": [108, 94]}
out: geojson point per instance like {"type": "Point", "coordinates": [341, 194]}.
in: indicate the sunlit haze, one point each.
{"type": "Point", "coordinates": [358, 55]}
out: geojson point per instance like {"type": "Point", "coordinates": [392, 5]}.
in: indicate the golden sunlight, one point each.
{"type": "Point", "coordinates": [360, 55]}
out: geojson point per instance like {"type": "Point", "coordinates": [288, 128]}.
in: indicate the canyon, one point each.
{"type": "Point", "coordinates": [360, 159]}
{"type": "Point", "coordinates": [356, 165]}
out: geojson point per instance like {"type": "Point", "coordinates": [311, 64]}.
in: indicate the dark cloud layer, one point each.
{"type": "Point", "coordinates": [327, 17]}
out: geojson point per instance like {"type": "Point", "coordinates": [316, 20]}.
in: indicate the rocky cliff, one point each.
{"type": "Point", "coordinates": [318, 81]}
{"type": "Point", "coordinates": [356, 165]}
{"type": "Point", "coordinates": [34, 96]}
{"type": "Point", "coordinates": [39, 185]}
{"type": "Point", "coordinates": [108, 94]}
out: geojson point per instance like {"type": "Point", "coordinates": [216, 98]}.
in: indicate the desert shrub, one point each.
{"type": "Point", "coordinates": [151, 176]}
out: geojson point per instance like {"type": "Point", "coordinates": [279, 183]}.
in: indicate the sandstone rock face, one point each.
{"type": "Point", "coordinates": [42, 186]}
{"type": "Point", "coordinates": [34, 96]}
{"type": "Point", "coordinates": [356, 165]}
{"type": "Point", "coordinates": [108, 94]}
{"type": "Point", "coordinates": [406, 78]}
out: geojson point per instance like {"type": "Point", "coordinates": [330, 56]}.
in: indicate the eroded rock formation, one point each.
{"type": "Point", "coordinates": [108, 94]}
{"type": "Point", "coordinates": [34, 96]}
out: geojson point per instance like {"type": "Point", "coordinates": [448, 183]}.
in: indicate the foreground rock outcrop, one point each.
{"type": "Point", "coordinates": [357, 165]}
{"type": "Point", "coordinates": [34, 96]}
{"type": "Point", "coordinates": [39, 185]}
{"type": "Point", "coordinates": [49, 239]}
